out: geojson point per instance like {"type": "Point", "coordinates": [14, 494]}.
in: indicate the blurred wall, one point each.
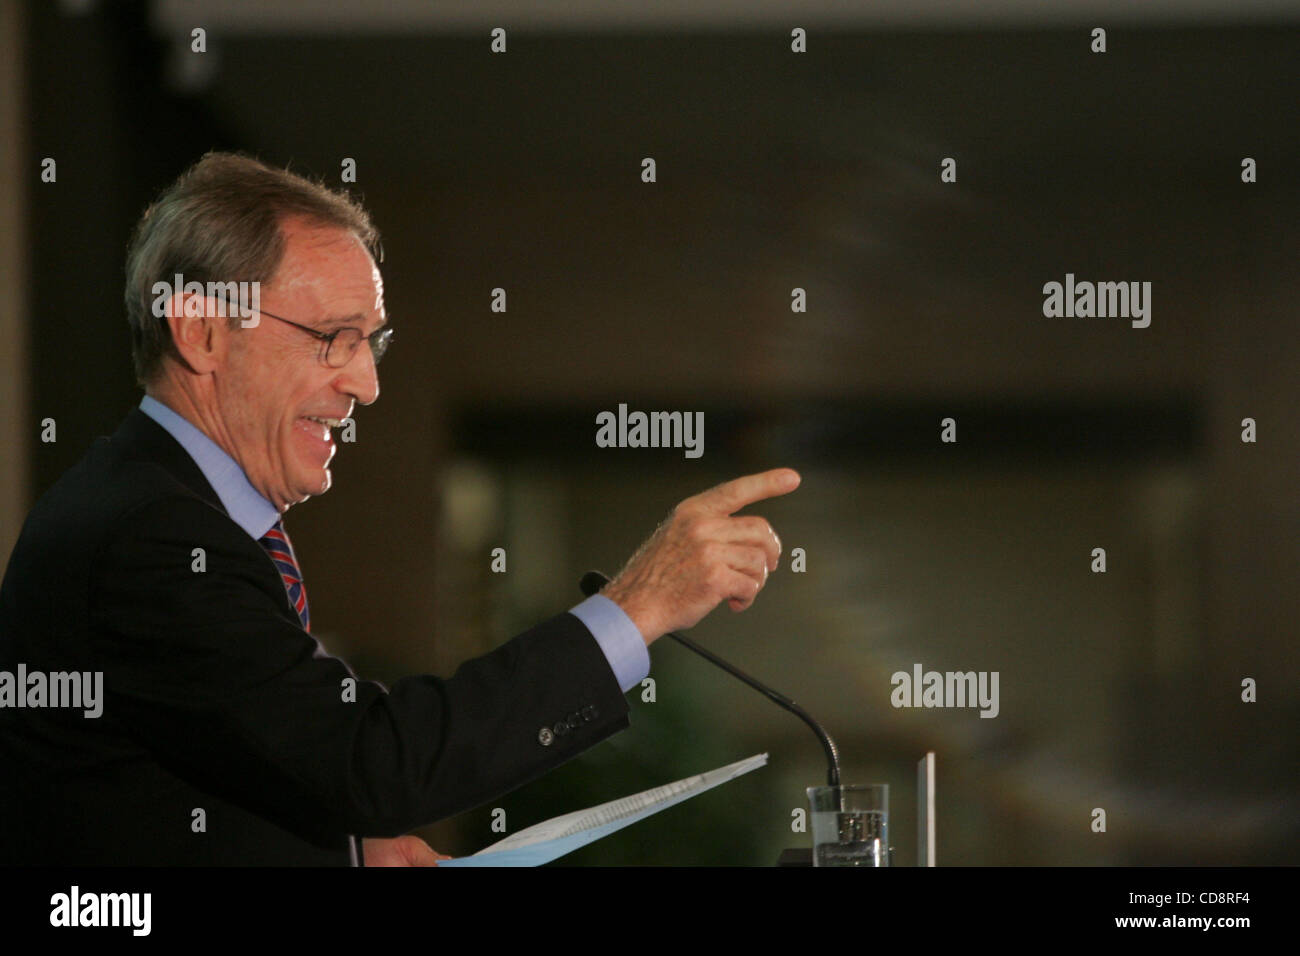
{"type": "Point", "coordinates": [15, 168]}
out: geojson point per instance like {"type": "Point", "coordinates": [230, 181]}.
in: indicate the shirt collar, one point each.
{"type": "Point", "coordinates": [245, 505]}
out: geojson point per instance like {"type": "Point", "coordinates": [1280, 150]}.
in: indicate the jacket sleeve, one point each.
{"type": "Point", "coordinates": [206, 670]}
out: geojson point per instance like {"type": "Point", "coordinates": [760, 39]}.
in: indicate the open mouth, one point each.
{"type": "Point", "coordinates": [327, 422]}
{"type": "Point", "coordinates": [317, 429]}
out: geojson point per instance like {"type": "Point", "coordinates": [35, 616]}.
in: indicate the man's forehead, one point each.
{"type": "Point", "coordinates": [307, 242]}
{"type": "Point", "coordinates": [327, 259]}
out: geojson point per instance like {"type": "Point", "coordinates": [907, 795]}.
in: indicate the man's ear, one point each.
{"type": "Point", "coordinates": [199, 330]}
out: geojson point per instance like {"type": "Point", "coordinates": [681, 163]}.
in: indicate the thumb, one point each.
{"type": "Point", "coordinates": [417, 852]}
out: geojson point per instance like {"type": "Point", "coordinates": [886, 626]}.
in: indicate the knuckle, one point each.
{"type": "Point", "coordinates": [688, 506]}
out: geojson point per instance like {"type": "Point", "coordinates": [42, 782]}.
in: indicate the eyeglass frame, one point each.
{"type": "Point", "coordinates": [384, 335]}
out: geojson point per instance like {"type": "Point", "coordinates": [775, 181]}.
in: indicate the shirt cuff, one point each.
{"type": "Point", "coordinates": [619, 639]}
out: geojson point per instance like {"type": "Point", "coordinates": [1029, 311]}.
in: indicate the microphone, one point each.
{"type": "Point", "coordinates": [591, 584]}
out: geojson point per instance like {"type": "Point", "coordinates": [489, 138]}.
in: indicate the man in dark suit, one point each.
{"type": "Point", "coordinates": [159, 567]}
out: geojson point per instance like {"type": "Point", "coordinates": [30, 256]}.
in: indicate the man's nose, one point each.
{"type": "Point", "coordinates": [359, 378]}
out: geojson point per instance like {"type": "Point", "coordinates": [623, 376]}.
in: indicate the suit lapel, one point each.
{"type": "Point", "coordinates": [140, 438]}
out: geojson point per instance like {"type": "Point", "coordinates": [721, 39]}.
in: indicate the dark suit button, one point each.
{"type": "Point", "coordinates": [544, 736]}
{"type": "Point", "coordinates": [561, 728]}
{"type": "Point", "coordinates": [574, 720]}
{"type": "Point", "coordinates": [589, 713]}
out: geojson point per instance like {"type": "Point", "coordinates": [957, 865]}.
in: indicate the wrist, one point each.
{"type": "Point", "coordinates": [627, 600]}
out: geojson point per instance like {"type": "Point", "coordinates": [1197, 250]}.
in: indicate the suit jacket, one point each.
{"type": "Point", "coordinates": [215, 698]}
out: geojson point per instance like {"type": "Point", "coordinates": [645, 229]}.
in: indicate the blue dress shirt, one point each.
{"type": "Point", "coordinates": [619, 639]}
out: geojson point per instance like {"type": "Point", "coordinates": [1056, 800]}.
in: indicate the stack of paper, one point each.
{"type": "Point", "coordinates": [547, 841]}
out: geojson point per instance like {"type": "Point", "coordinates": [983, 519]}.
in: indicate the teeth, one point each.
{"type": "Point", "coordinates": [331, 422]}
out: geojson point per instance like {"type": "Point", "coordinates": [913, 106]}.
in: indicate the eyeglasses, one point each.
{"type": "Point", "coordinates": [342, 344]}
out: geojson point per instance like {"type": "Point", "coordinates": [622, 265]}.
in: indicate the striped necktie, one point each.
{"type": "Point", "coordinates": [277, 545]}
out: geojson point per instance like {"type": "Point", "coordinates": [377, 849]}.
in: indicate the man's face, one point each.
{"type": "Point", "coordinates": [275, 379]}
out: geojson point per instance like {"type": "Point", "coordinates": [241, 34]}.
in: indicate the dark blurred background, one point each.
{"type": "Point", "coordinates": [775, 170]}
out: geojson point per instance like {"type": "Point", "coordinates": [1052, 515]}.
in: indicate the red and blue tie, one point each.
{"type": "Point", "coordinates": [277, 545]}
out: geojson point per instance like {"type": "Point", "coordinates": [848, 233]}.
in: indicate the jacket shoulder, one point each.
{"type": "Point", "coordinates": [140, 473]}
{"type": "Point", "coordinates": [103, 489]}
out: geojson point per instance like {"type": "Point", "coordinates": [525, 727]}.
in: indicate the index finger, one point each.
{"type": "Point", "coordinates": [735, 494]}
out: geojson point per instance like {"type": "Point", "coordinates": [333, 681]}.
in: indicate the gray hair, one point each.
{"type": "Point", "coordinates": [220, 222]}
